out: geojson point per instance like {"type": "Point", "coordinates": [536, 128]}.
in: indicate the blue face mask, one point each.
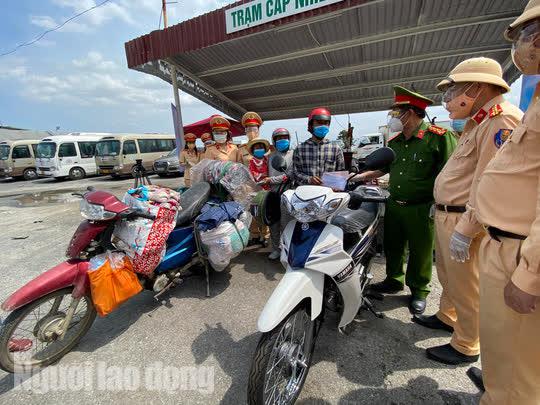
{"type": "Point", "coordinates": [259, 153]}
{"type": "Point", "coordinates": [458, 125]}
{"type": "Point", "coordinates": [282, 145]}
{"type": "Point", "coordinates": [321, 131]}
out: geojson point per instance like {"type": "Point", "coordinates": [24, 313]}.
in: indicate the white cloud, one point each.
{"type": "Point", "coordinates": [97, 16]}
{"type": "Point", "coordinates": [93, 81]}
{"type": "Point", "coordinates": [94, 60]}
{"type": "Point", "coordinates": [12, 67]}
{"type": "Point", "coordinates": [48, 23]}
{"type": "Point", "coordinates": [43, 21]}
{"type": "Point", "coordinates": [88, 21]}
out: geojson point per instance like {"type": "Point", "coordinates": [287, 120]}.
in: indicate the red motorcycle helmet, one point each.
{"type": "Point", "coordinates": [319, 113]}
{"type": "Point", "coordinates": [280, 132]}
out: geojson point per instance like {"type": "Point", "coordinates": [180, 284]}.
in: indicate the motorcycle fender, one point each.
{"type": "Point", "coordinates": [85, 233]}
{"type": "Point", "coordinates": [66, 274]}
{"type": "Point", "coordinates": [351, 293]}
{"type": "Point", "coordinates": [294, 287]}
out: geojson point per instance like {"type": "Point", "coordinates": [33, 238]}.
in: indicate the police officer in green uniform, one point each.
{"type": "Point", "coordinates": [421, 152]}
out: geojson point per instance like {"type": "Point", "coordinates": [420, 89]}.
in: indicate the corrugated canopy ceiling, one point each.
{"type": "Point", "coordinates": [345, 56]}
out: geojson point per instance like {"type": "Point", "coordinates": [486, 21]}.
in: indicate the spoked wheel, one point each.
{"type": "Point", "coordinates": [30, 336]}
{"type": "Point", "coordinates": [282, 360]}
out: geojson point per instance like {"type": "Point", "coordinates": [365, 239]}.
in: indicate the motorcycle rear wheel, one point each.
{"type": "Point", "coordinates": [282, 361]}
{"type": "Point", "coordinates": [14, 338]}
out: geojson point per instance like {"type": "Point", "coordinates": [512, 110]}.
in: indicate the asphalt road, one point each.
{"type": "Point", "coordinates": [381, 361]}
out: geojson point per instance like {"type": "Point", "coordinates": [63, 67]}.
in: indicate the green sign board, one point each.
{"type": "Point", "coordinates": [260, 12]}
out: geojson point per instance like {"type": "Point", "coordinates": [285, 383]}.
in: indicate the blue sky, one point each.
{"type": "Point", "coordinates": [77, 77]}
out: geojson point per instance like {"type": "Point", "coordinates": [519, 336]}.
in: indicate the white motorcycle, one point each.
{"type": "Point", "coordinates": [327, 252]}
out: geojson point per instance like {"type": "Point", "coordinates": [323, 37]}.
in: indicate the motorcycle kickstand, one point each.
{"type": "Point", "coordinates": [369, 306]}
{"type": "Point", "coordinates": [207, 278]}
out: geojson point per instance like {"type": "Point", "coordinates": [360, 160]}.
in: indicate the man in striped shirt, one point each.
{"type": "Point", "coordinates": [317, 155]}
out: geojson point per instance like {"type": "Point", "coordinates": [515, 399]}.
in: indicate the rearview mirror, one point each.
{"type": "Point", "coordinates": [379, 159]}
{"type": "Point", "coordinates": [279, 164]}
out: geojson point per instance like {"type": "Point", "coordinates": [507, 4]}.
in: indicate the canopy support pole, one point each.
{"type": "Point", "coordinates": [179, 129]}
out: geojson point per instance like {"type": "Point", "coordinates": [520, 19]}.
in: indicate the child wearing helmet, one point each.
{"type": "Point", "coordinates": [258, 165]}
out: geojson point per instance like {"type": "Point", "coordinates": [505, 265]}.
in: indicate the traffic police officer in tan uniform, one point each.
{"type": "Point", "coordinates": [473, 90]}
{"type": "Point", "coordinates": [507, 204]}
{"type": "Point", "coordinates": [223, 149]}
{"type": "Point", "coordinates": [251, 121]}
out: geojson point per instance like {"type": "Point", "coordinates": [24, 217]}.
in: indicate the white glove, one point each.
{"type": "Point", "coordinates": [459, 247]}
{"type": "Point", "coordinates": [432, 211]}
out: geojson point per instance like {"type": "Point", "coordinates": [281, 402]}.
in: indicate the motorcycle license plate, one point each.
{"type": "Point", "coordinates": [106, 171]}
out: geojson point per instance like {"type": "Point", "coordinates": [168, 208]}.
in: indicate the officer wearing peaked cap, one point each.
{"type": "Point", "coordinates": [421, 152]}
{"type": "Point", "coordinates": [473, 90]}
{"type": "Point", "coordinates": [223, 149]}
{"type": "Point", "coordinates": [189, 157]}
{"type": "Point", "coordinates": [507, 204]}
{"type": "Point", "coordinates": [251, 121]}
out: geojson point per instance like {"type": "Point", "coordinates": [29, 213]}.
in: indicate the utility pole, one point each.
{"type": "Point", "coordinates": [350, 135]}
{"type": "Point", "coordinates": [174, 79]}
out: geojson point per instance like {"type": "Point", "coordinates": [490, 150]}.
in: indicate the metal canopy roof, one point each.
{"type": "Point", "coordinates": [345, 56]}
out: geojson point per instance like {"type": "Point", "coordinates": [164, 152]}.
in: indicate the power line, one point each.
{"type": "Point", "coordinates": [339, 123]}
{"type": "Point", "coordinates": [53, 29]}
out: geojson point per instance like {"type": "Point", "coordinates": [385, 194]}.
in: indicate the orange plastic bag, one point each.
{"type": "Point", "coordinates": [113, 283]}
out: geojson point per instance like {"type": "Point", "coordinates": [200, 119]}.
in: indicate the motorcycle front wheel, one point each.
{"type": "Point", "coordinates": [28, 338]}
{"type": "Point", "coordinates": [282, 360]}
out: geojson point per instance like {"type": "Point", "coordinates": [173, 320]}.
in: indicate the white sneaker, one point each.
{"type": "Point", "coordinates": [274, 255]}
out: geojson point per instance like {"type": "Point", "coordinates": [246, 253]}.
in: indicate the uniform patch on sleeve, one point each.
{"type": "Point", "coordinates": [501, 136]}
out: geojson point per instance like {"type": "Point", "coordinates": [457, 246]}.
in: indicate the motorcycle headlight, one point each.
{"type": "Point", "coordinates": [332, 205]}
{"type": "Point", "coordinates": [95, 212]}
{"type": "Point", "coordinates": [311, 210]}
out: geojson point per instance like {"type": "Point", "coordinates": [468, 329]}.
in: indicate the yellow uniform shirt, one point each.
{"type": "Point", "coordinates": [481, 139]}
{"type": "Point", "coordinates": [508, 195]}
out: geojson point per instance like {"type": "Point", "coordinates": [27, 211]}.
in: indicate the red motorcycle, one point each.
{"type": "Point", "coordinates": [53, 312]}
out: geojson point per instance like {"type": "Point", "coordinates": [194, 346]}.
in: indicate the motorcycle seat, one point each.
{"type": "Point", "coordinates": [192, 201]}
{"type": "Point", "coordinates": [352, 221]}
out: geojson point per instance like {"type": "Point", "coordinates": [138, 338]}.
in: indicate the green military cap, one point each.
{"type": "Point", "coordinates": [404, 97]}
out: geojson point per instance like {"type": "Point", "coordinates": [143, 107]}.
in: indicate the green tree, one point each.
{"type": "Point", "coordinates": [346, 141]}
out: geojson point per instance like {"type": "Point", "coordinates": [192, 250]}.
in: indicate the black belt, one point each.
{"type": "Point", "coordinates": [496, 232]}
{"type": "Point", "coordinates": [403, 203]}
{"type": "Point", "coordinates": [450, 208]}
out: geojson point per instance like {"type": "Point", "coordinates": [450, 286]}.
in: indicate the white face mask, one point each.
{"type": "Point", "coordinates": [395, 125]}
{"type": "Point", "coordinates": [220, 138]}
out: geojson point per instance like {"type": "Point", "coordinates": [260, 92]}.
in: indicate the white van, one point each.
{"type": "Point", "coordinates": [117, 154]}
{"type": "Point", "coordinates": [368, 144]}
{"type": "Point", "coordinates": [70, 155]}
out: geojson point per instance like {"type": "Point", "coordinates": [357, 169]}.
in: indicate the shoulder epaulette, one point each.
{"type": "Point", "coordinates": [495, 110]}
{"type": "Point", "coordinates": [437, 130]}
{"type": "Point", "coordinates": [394, 137]}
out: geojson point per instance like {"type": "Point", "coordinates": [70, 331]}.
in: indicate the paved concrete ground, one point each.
{"type": "Point", "coordinates": [380, 362]}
